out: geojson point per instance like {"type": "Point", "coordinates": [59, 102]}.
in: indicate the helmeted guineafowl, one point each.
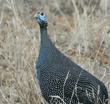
{"type": "Point", "coordinates": [62, 80]}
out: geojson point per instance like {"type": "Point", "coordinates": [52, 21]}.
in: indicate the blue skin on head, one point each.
{"type": "Point", "coordinates": [41, 18]}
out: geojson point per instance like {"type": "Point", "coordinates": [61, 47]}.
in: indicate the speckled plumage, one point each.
{"type": "Point", "coordinates": [52, 68]}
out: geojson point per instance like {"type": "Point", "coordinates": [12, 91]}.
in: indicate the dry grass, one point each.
{"type": "Point", "coordinates": [84, 38]}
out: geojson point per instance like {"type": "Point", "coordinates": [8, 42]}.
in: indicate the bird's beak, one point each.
{"type": "Point", "coordinates": [37, 15]}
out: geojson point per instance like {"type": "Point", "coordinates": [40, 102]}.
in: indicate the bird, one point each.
{"type": "Point", "coordinates": [62, 80]}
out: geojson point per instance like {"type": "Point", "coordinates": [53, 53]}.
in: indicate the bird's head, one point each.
{"type": "Point", "coordinates": [41, 19]}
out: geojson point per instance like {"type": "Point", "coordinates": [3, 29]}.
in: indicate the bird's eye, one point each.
{"type": "Point", "coordinates": [42, 14]}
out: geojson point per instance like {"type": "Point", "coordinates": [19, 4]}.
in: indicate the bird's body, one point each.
{"type": "Point", "coordinates": [59, 76]}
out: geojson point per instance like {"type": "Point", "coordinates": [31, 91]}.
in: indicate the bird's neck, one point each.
{"type": "Point", "coordinates": [45, 40]}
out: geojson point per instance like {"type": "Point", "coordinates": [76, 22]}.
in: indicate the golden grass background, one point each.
{"type": "Point", "coordinates": [80, 30]}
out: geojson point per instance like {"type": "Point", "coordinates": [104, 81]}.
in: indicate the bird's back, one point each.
{"type": "Point", "coordinates": [54, 67]}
